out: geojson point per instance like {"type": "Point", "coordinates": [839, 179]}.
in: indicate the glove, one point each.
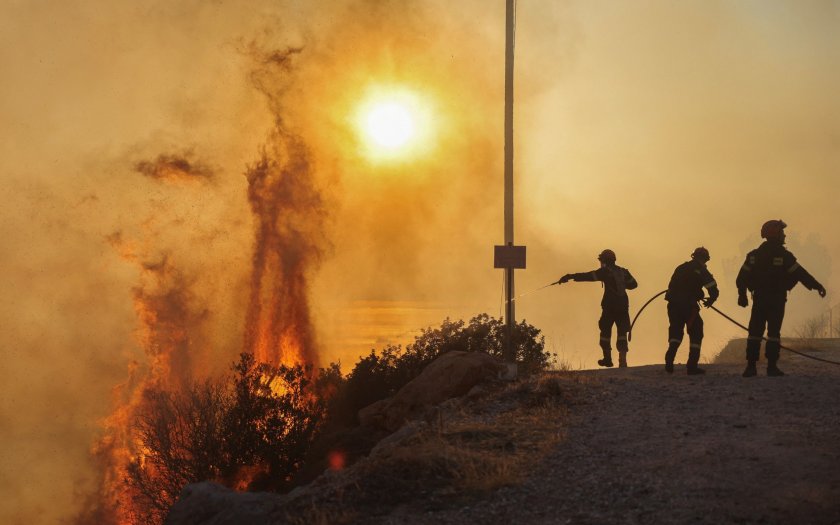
{"type": "Point", "coordinates": [565, 278]}
{"type": "Point", "coordinates": [821, 290]}
{"type": "Point", "coordinates": [708, 301]}
{"type": "Point", "coordinates": [742, 299]}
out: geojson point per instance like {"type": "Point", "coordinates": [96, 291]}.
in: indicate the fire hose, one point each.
{"type": "Point", "coordinates": [733, 321]}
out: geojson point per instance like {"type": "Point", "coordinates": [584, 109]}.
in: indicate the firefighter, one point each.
{"type": "Point", "coordinates": [684, 291]}
{"type": "Point", "coordinates": [615, 305]}
{"type": "Point", "coordinates": [769, 272]}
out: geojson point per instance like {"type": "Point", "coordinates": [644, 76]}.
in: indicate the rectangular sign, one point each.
{"type": "Point", "coordinates": [509, 257]}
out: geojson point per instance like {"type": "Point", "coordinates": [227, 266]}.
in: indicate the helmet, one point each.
{"type": "Point", "coordinates": [701, 253]}
{"type": "Point", "coordinates": [773, 229]}
{"type": "Point", "coordinates": [607, 256]}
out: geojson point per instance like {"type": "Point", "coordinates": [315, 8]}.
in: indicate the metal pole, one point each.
{"type": "Point", "coordinates": [509, 288]}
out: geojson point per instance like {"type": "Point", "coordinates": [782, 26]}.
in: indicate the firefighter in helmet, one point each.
{"type": "Point", "coordinates": [684, 291]}
{"type": "Point", "coordinates": [769, 272]}
{"type": "Point", "coordinates": [615, 305]}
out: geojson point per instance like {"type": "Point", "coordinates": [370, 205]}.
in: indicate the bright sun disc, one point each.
{"type": "Point", "coordinates": [390, 125]}
{"type": "Point", "coordinates": [393, 124]}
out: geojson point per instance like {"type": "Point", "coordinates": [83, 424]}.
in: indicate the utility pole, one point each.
{"type": "Point", "coordinates": [509, 256]}
{"type": "Point", "coordinates": [510, 36]}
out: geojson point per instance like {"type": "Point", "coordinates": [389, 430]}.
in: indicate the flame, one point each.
{"type": "Point", "coordinates": [288, 215]}
{"type": "Point", "coordinates": [167, 324]}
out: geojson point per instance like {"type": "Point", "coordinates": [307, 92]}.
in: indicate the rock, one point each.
{"type": "Point", "coordinates": [208, 503]}
{"type": "Point", "coordinates": [453, 374]}
{"type": "Point", "coordinates": [373, 415]}
{"type": "Point", "coordinates": [399, 437]}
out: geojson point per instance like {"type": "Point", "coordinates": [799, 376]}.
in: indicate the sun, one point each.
{"type": "Point", "coordinates": [390, 125]}
{"type": "Point", "coordinates": [393, 124]}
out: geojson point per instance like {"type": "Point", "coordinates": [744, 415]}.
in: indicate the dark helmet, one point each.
{"type": "Point", "coordinates": [701, 254]}
{"type": "Point", "coordinates": [773, 229]}
{"type": "Point", "coordinates": [607, 257]}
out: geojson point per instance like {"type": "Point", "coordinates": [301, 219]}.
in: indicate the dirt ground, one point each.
{"type": "Point", "coordinates": [648, 447]}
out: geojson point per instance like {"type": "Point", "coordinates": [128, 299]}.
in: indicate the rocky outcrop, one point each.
{"type": "Point", "coordinates": [453, 374]}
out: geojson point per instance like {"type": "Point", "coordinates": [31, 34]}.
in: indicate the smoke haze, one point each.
{"type": "Point", "coordinates": [130, 132]}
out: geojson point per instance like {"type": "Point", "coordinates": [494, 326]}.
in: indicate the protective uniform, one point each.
{"type": "Point", "coordinates": [684, 291]}
{"type": "Point", "coordinates": [615, 306]}
{"type": "Point", "coordinates": [769, 272]}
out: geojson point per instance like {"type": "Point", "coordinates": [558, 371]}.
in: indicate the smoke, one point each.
{"type": "Point", "coordinates": [174, 168]}
{"type": "Point", "coordinates": [649, 131]}
{"type": "Point", "coordinates": [676, 126]}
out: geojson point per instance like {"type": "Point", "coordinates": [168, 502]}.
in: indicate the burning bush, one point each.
{"type": "Point", "coordinates": [250, 432]}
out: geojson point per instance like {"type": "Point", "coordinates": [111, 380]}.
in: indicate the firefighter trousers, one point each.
{"type": "Point", "coordinates": [684, 316]}
{"type": "Point", "coordinates": [766, 313]}
{"type": "Point", "coordinates": [620, 317]}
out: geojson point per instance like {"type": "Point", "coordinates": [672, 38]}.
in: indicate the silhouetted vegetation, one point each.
{"type": "Point", "coordinates": [380, 375]}
{"type": "Point", "coordinates": [255, 429]}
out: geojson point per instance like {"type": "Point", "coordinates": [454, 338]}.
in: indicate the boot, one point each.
{"type": "Point", "coordinates": [607, 360]}
{"type": "Point", "coordinates": [669, 360]}
{"type": "Point", "coordinates": [691, 367]}
{"type": "Point", "coordinates": [772, 369]}
{"type": "Point", "coordinates": [750, 371]}
{"type": "Point", "coordinates": [622, 359]}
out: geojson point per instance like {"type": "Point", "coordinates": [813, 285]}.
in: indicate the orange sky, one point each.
{"type": "Point", "coordinates": [646, 128]}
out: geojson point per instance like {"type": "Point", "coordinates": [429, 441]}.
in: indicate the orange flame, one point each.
{"type": "Point", "coordinates": [289, 220]}
{"type": "Point", "coordinates": [166, 326]}
{"type": "Point", "coordinates": [288, 215]}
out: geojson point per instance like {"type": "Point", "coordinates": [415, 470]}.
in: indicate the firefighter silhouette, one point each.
{"type": "Point", "coordinates": [684, 291]}
{"type": "Point", "coordinates": [769, 272]}
{"type": "Point", "coordinates": [615, 306]}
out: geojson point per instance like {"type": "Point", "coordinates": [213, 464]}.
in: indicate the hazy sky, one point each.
{"type": "Point", "coordinates": [647, 127]}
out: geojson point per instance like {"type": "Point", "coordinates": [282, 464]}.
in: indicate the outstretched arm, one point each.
{"type": "Point", "coordinates": [585, 277]}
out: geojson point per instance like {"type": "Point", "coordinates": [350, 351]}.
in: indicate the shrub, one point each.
{"type": "Point", "coordinates": [378, 376]}
{"type": "Point", "coordinates": [252, 431]}
{"type": "Point", "coordinates": [182, 441]}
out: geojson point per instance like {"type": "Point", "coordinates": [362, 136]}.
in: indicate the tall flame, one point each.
{"type": "Point", "coordinates": [288, 216]}
{"type": "Point", "coordinates": [167, 323]}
